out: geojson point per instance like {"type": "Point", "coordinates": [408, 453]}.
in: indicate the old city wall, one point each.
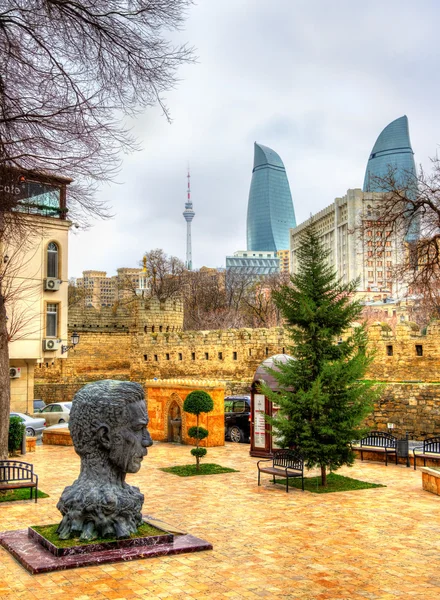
{"type": "Point", "coordinates": [146, 315]}
{"type": "Point", "coordinates": [406, 363]}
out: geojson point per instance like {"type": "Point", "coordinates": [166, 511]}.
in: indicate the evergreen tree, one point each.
{"type": "Point", "coordinates": [322, 397]}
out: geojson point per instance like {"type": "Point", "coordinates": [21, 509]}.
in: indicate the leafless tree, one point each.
{"type": "Point", "coordinates": [409, 210]}
{"type": "Point", "coordinates": [72, 74]}
{"type": "Point", "coordinates": [166, 275]}
{"type": "Point", "coordinates": [75, 294]}
{"type": "Point", "coordinates": [229, 300]}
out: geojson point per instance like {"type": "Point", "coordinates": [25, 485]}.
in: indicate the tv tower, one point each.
{"type": "Point", "coordinates": [188, 213]}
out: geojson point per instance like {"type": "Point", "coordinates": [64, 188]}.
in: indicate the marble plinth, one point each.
{"type": "Point", "coordinates": [37, 559]}
{"type": "Point", "coordinates": [152, 540]}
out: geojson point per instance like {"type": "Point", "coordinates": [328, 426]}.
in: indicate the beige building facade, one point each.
{"type": "Point", "coordinates": [357, 248]}
{"type": "Point", "coordinates": [35, 285]}
{"type": "Point", "coordinates": [102, 291]}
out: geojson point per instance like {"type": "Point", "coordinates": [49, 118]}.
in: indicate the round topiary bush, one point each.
{"type": "Point", "coordinates": [198, 433]}
{"type": "Point", "coordinates": [197, 402]}
{"type": "Point", "coordinates": [199, 452]}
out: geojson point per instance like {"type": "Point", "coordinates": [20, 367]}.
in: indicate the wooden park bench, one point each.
{"type": "Point", "coordinates": [285, 463]}
{"type": "Point", "coordinates": [15, 474]}
{"type": "Point", "coordinates": [430, 449]}
{"type": "Point", "coordinates": [380, 442]}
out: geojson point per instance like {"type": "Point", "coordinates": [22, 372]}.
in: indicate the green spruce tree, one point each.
{"type": "Point", "coordinates": [322, 397]}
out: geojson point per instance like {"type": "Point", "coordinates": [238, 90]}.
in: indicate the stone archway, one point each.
{"type": "Point", "coordinates": [174, 419]}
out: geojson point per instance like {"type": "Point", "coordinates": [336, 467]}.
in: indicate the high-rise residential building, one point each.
{"type": "Point", "coordinates": [270, 213]}
{"type": "Point", "coordinates": [284, 257]}
{"type": "Point", "coordinates": [366, 253]}
{"type": "Point", "coordinates": [253, 263]}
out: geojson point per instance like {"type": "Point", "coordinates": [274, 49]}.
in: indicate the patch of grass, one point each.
{"type": "Point", "coordinates": [49, 532]}
{"type": "Point", "coordinates": [335, 483]}
{"type": "Point", "coordinates": [20, 494]}
{"type": "Point", "coordinates": [205, 469]}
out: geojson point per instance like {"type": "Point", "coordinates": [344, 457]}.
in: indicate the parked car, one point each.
{"type": "Point", "coordinates": [237, 418]}
{"type": "Point", "coordinates": [58, 412]}
{"type": "Point", "coordinates": [34, 426]}
{"type": "Point", "coordinates": [39, 405]}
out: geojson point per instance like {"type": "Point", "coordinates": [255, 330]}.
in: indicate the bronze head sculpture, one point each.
{"type": "Point", "coordinates": [108, 425]}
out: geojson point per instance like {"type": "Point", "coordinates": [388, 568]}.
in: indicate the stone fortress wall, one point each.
{"type": "Point", "coordinates": [406, 364]}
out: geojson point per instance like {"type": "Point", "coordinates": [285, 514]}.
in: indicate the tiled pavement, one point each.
{"type": "Point", "coordinates": [368, 544]}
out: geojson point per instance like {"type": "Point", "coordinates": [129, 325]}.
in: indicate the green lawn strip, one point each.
{"type": "Point", "coordinates": [205, 469]}
{"type": "Point", "coordinates": [49, 532]}
{"type": "Point", "coordinates": [335, 483]}
{"type": "Point", "coordinates": [20, 494]}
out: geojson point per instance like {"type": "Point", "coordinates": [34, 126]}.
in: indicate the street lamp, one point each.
{"type": "Point", "coordinates": [74, 341]}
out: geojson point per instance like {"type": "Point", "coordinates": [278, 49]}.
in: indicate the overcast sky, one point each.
{"type": "Point", "coordinates": [315, 80]}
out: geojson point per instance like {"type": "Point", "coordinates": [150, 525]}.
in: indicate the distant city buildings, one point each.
{"type": "Point", "coordinates": [284, 258]}
{"type": "Point", "coordinates": [100, 290]}
{"type": "Point", "coordinates": [358, 246]}
{"type": "Point", "coordinates": [368, 255]}
{"type": "Point", "coordinates": [254, 263]}
{"type": "Point", "coordinates": [270, 213]}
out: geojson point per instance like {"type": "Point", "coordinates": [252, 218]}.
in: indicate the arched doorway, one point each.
{"type": "Point", "coordinates": [174, 423]}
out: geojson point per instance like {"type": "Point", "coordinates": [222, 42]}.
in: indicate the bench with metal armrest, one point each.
{"type": "Point", "coordinates": [15, 474]}
{"type": "Point", "coordinates": [284, 463]}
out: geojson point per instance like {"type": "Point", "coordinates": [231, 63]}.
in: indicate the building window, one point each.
{"type": "Point", "coordinates": [220, 355]}
{"type": "Point", "coordinates": [389, 351]}
{"type": "Point", "coordinates": [51, 320]}
{"type": "Point", "coordinates": [419, 350]}
{"type": "Point", "coordinates": [234, 356]}
{"type": "Point", "coordinates": [369, 233]}
{"type": "Point", "coordinates": [250, 351]}
{"type": "Point", "coordinates": [180, 356]}
{"type": "Point", "coordinates": [193, 356]}
{"type": "Point", "coordinates": [167, 356]}
{"type": "Point", "coordinates": [155, 357]}
{"type": "Point", "coordinates": [52, 260]}
{"type": "Point", "coordinates": [206, 355]}
{"type": "Point", "coordinates": [267, 351]}
{"type": "Point", "coordinates": [145, 356]}
{"type": "Point", "coordinates": [370, 273]}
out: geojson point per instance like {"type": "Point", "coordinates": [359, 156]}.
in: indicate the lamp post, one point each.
{"type": "Point", "coordinates": [74, 339]}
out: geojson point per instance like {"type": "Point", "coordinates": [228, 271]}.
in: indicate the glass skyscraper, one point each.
{"type": "Point", "coordinates": [393, 151]}
{"type": "Point", "coordinates": [270, 213]}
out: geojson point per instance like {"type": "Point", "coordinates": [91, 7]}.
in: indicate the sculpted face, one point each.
{"type": "Point", "coordinates": [128, 443]}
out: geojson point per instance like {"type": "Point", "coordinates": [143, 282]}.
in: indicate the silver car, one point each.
{"type": "Point", "coordinates": [34, 426]}
{"type": "Point", "coordinates": [58, 412]}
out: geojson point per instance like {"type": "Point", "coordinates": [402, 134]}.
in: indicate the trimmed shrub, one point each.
{"type": "Point", "coordinates": [16, 433]}
{"type": "Point", "coordinates": [195, 403]}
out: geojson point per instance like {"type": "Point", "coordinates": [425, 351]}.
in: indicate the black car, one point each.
{"type": "Point", "coordinates": [237, 418]}
{"type": "Point", "coordinates": [39, 405]}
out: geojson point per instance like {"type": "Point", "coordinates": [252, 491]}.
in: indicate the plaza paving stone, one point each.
{"type": "Point", "coordinates": [362, 545]}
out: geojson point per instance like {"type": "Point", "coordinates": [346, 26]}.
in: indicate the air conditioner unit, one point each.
{"type": "Point", "coordinates": [51, 345]}
{"type": "Point", "coordinates": [14, 372]}
{"type": "Point", "coordinates": [51, 284]}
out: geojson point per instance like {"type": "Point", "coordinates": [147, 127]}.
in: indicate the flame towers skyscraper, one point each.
{"type": "Point", "coordinates": [189, 215]}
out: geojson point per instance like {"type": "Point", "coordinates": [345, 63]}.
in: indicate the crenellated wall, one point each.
{"type": "Point", "coordinates": [407, 362]}
{"type": "Point", "coordinates": [139, 315]}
